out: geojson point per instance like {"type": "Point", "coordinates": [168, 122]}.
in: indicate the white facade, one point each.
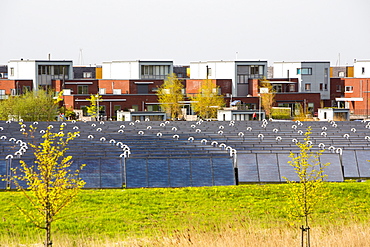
{"type": "Point", "coordinates": [121, 70]}
{"type": "Point", "coordinates": [361, 68]}
{"type": "Point", "coordinates": [287, 70]}
{"type": "Point", "coordinates": [227, 70]}
{"type": "Point", "coordinates": [329, 114]}
{"type": "Point", "coordinates": [136, 70]}
{"type": "Point", "coordinates": [30, 70]}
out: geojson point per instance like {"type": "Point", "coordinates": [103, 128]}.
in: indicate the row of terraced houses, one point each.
{"type": "Point", "coordinates": [131, 86]}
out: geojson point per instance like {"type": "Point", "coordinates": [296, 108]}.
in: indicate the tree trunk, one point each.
{"type": "Point", "coordinates": [48, 242]}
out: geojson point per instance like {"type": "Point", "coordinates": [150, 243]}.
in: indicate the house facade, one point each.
{"type": "Point", "coordinates": [154, 70]}
{"type": "Point", "coordinates": [312, 77]}
{"type": "Point", "coordinates": [240, 72]}
{"type": "Point", "coordinates": [41, 72]}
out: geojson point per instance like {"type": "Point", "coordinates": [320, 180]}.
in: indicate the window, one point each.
{"type": "Point", "coordinates": [142, 88]}
{"type": "Point", "coordinates": [306, 71]}
{"type": "Point", "coordinates": [84, 110]}
{"type": "Point", "coordinates": [338, 88]}
{"type": "Point", "coordinates": [321, 86]}
{"type": "Point", "coordinates": [2, 94]}
{"type": "Point", "coordinates": [310, 107]}
{"type": "Point", "coordinates": [244, 72]}
{"type": "Point", "coordinates": [102, 90]}
{"type": "Point", "coordinates": [117, 108]}
{"type": "Point", "coordinates": [363, 70]}
{"type": "Point", "coordinates": [135, 107]}
{"type": "Point", "coordinates": [102, 110]}
{"type": "Point", "coordinates": [326, 87]}
{"type": "Point", "coordinates": [87, 75]}
{"type": "Point", "coordinates": [11, 71]}
{"type": "Point", "coordinates": [278, 88]}
{"type": "Point", "coordinates": [82, 89]}
{"type": "Point", "coordinates": [26, 89]}
{"type": "Point", "coordinates": [154, 71]}
{"type": "Point", "coordinates": [243, 79]}
{"type": "Point", "coordinates": [116, 91]}
{"type": "Point", "coordinates": [341, 74]}
{"type": "Point", "coordinates": [307, 87]}
{"type": "Point", "coordinates": [349, 89]}
{"type": "Point", "coordinates": [291, 88]}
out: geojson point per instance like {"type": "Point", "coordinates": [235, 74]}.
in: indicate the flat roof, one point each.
{"type": "Point", "coordinates": [35, 60]}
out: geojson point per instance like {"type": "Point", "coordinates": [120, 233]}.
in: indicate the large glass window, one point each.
{"type": "Point", "coordinates": [154, 71]}
{"type": "Point", "coordinates": [244, 72]}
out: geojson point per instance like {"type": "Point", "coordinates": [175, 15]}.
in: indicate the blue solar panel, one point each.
{"type": "Point", "coordinates": [179, 172]}
{"type": "Point", "coordinates": [201, 173]}
{"type": "Point", "coordinates": [349, 163]}
{"type": "Point", "coordinates": [111, 173]}
{"type": "Point", "coordinates": [363, 163]}
{"type": "Point", "coordinates": [90, 173]}
{"type": "Point", "coordinates": [268, 168]}
{"type": "Point", "coordinates": [334, 170]}
{"type": "Point", "coordinates": [3, 173]}
{"type": "Point", "coordinates": [136, 173]}
{"type": "Point", "coordinates": [158, 174]}
{"type": "Point", "coordinates": [286, 170]}
{"type": "Point", "coordinates": [223, 171]}
{"type": "Point", "coordinates": [247, 164]}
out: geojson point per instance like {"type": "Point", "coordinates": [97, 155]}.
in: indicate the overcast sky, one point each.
{"type": "Point", "coordinates": [186, 30]}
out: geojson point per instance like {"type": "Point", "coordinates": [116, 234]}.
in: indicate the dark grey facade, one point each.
{"type": "Point", "coordinates": [84, 72]}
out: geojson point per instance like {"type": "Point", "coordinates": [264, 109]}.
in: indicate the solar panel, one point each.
{"type": "Point", "coordinates": [286, 170]}
{"type": "Point", "coordinates": [363, 163]}
{"type": "Point", "coordinates": [201, 174]}
{"type": "Point", "coordinates": [91, 173]}
{"type": "Point", "coordinates": [136, 173]}
{"type": "Point", "coordinates": [334, 170]}
{"type": "Point", "coordinates": [223, 171]}
{"type": "Point", "coordinates": [179, 172]}
{"type": "Point", "coordinates": [247, 168]}
{"type": "Point", "coordinates": [268, 168]}
{"type": "Point", "coordinates": [349, 162]}
{"type": "Point", "coordinates": [111, 173]}
{"type": "Point", "coordinates": [158, 175]}
{"type": "Point", "coordinates": [3, 172]}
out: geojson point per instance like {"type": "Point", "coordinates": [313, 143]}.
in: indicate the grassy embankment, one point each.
{"type": "Point", "coordinates": [246, 215]}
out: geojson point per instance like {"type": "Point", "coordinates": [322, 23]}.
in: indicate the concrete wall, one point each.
{"type": "Point", "coordinates": [121, 70]}
{"type": "Point", "coordinates": [362, 68]}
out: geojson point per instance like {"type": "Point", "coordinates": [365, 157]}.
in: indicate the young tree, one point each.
{"type": "Point", "coordinates": [94, 108]}
{"type": "Point", "coordinates": [51, 184]}
{"type": "Point", "coordinates": [170, 94]}
{"type": "Point", "coordinates": [267, 98]}
{"type": "Point", "coordinates": [40, 105]}
{"type": "Point", "coordinates": [309, 189]}
{"type": "Point", "coordinates": [208, 101]}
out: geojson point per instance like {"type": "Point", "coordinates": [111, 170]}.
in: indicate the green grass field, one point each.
{"type": "Point", "coordinates": [149, 213]}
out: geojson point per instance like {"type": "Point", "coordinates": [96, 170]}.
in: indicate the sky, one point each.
{"type": "Point", "coordinates": [96, 31]}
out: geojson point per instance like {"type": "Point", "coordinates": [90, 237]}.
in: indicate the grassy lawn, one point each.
{"type": "Point", "coordinates": [149, 213]}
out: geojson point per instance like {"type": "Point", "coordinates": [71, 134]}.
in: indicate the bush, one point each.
{"type": "Point", "coordinates": [280, 113]}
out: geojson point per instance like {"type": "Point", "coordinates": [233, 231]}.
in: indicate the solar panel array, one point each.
{"type": "Point", "coordinates": [180, 153]}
